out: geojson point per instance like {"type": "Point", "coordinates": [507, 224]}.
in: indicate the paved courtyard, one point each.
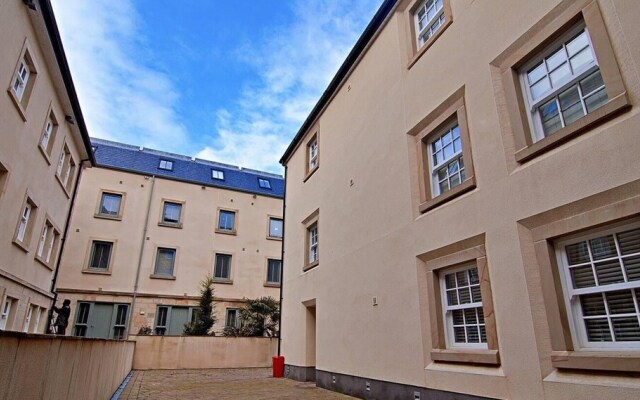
{"type": "Point", "coordinates": [220, 384]}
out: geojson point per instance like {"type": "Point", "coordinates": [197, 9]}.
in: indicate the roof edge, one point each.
{"type": "Point", "coordinates": [58, 49]}
{"type": "Point", "coordinates": [353, 56]}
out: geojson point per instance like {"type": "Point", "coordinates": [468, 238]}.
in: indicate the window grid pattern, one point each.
{"type": "Point", "coordinates": [100, 255]}
{"type": "Point", "coordinates": [446, 158]}
{"type": "Point", "coordinates": [463, 308]}
{"type": "Point", "coordinates": [4, 316]}
{"type": "Point", "coordinates": [313, 244]}
{"type": "Point", "coordinates": [24, 222]}
{"type": "Point", "coordinates": [313, 154]}
{"type": "Point", "coordinates": [165, 262]}
{"type": "Point", "coordinates": [429, 18]}
{"type": "Point", "coordinates": [43, 240]}
{"type": "Point", "coordinates": [603, 284]}
{"type": "Point", "coordinates": [223, 267]}
{"type": "Point", "coordinates": [110, 204]}
{"type": "Point", "coordinates": [565, 85]}
{"type": "Point", "coordinates": [226, 220]}
{"type": "Point", "coordinates": [171, 212]}
{"type": "Point", "coordinates": [21, 79]}
{"type": "Point", "coordinates": [82, 318]}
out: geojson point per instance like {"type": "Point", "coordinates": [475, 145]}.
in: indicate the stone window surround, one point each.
{"type": "Point", "coordinates": [118, 217]}
{"type": "Point", "coordinates": [87, 259]}
{"type": "Point", "coordinates": [48, 151]}
{"type": "Point", "coordinates": [26, 54]}
{"type": "Point", "coordinates": [234, 231]}
{"type": "Point", "coordinates": [56, 242]}
{"type": "Point", "coordinates": [408, 9]}
{"type": "Point", "coordinates": [309, 222]}
{"type": "Point", "coordinates": [25, 243]}
{"type": "Point", "coordinates": [161, 221]}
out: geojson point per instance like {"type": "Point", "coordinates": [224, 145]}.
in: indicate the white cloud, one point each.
{"type": "Point", "coordinates": [122, 97]}
{"type": "Point", "coordinates": [294, 65]}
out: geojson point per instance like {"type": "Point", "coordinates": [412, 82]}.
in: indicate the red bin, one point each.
{"type": "Point", "coordinates": [278, 366]}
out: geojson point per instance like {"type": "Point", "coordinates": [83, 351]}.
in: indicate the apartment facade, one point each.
{"type": "Point", "coordinates": [463, 206]}
{"type": "Point", "coordinates": [44, 143]}
{"type": "Point", "coordinates": [149, 226]}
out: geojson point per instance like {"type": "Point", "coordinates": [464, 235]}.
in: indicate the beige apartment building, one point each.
{"type": "Point", "coordinates": [463, 206]}
{"type": "Point", "coordinates": [44, 142]}
{"type": "Point", "coordinates": [149, 226]}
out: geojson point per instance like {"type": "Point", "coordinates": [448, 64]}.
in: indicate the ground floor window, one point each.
{"type": "Point", "coordinates": [101, 320]}
{"type": "Point", "coordinates": [171, 320]}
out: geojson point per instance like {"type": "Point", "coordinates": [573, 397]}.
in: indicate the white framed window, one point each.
{"type": "Point", "coordinates": [48, 240]}
{"type": "Point", "coordinates": [166, 165]}
{"type": "Point", "coordinates": [217, 174]}
{"type": "Point", "coordinates": [600, 274]}
{"type": "Point", "coordinates": [275, 227]}
{"type": "Point", "coordinates": [110, 204]}
{"type": "Point", "coordinates": [222, 268]}
{"type": "Point", "coordinates": [61, 162]}
{"type": "Point", "coordinates": [21, 78]}
{"type": "Point", "coordinates": [264, 183]}
{"type": "Point", "coordinates": [165, 261]}
{"type": "Point", "coordinates": [313, 154]}
{"type": "Point", "coordinates": [43, 240]}
{"type": "Point", "coordinates": [24, 221]}
{"type": "Point", "coordinates": [313, 243]}
{"type": "Point", "coordinates": [66, 166]}
{"type": "Point", "coordinates": [428, 18]}
{"type": "Point", "coordinates": [6, 311]}
{"type": "Point", "coordinates": [462, 307]}
{"type": "Point", "coordinates": [274, 270]}
{"type": "Point", "coordinates": [446, 163]}
{"type": "Point", "coordinates": [563, 84]}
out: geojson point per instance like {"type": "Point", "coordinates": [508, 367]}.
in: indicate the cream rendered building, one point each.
{"type": "Point", "coordinates": [463, 206]}
{"type": "Point", "coordinates": [149, 226]}
{"type": "Point", "coordinates": [44, 141]}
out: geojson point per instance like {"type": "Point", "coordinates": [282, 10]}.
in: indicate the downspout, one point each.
{"type": "Point", "coordinates": [62, 242]}
{"type": "Point", "coordinates": [284, 211]}
{"type": "Point", "coordinates": [144, 238]}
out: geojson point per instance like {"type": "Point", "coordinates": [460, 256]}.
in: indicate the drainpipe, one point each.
{"type": "Point", "coordinates": [62, 242]}
{"type": "Point", "coordinates": [284, 211]}
{"type": "Point", "coordinates": [144, 238]}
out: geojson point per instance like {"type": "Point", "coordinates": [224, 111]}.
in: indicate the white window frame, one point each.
{"type": "Point", "coordinates": [166, 165]}
{"type": "Point", "coordinates": [164, 212]}
{"type": "Point", "coordinates": [21, 78]}
{"type": "Point", "coordinates": [447, 310]}
{"type": "Point", "coordinates": [533, 114]}
{"type": "Point", "coordinates": [264, 183]}
{"type": "Point", "coordinates": [269, 261]}
{"type": "Point", "coordinates": [456, 156]}
{"type": "Point", "coordinates": [43, 239]}
{"type": "Point", "coordinates": [6, 311]}
{"type": "Point", "coordinates": [36, 323]}
{"type": "Point", "coordinates": [313, 153]}
{"type": "Point", "coordinates": [571, 295]}
{"type": "Point", "coordinates": [24, 221]}
{"type": "Point", "coordinates": [61, 162]}
{"type": "Point", "coordinates": [217, 174]}
{"type": "Point", "coordinates": [92, 255]}
{"type": "Point", "coordinates": [430, 24]}
{"type": "Point", "coordinates": [46, 134]}
{"type": "Point", "coordinates": [313, 243]}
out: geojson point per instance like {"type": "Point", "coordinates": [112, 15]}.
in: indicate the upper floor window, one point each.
{"type": "Point", "coordinates": [110, 204]}
{"type": "Point", "coordinates": [166, 165]}
{"type": "Point", "coordinates": [217, 174]}
{"type": "Point", "coordinates": [24, 222]}
{"type": "Point", "coordinates": [165, 262]}
{"type": "Point", "coordinates": [274, 268]}
{"type": "Point", "coordinates": [429, 17]}
{"type": "Point", "coordinates": [226, 221]}
{"type": "Point", "coordinates": [312, 149]}
{"type": "Point", "coordinates": [563, 84]}
{"type": "Point", "coordinates": [222, 270]}
{"type": "Point", "coordinates": [275, 227]}
{"type": "Point", "coordinates": [171, 213]}
{"type": "Point", "coordinates": [49, 133]}
{"type": "Point", "coordinates": [48, 241]}
{"type": "Point", "coordinates": [22, 80]}
{"type": "Point", "coordinates": [28, 214]}
{"type": "Point", "coordinates": [66, 168]}
{"type": "Point", "coordinates": [600, 274]}
{"type": "Point", "coordinates": [100, 256]}
{"type": "Point", "coordinates": [446, 160]}
{"type": "Point", "coordinates": [264, 183]}
{"type": "Point", "coordinates": [312, 234]}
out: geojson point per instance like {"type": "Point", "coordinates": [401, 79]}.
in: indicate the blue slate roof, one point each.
{"type": "Point", "coordinates": [140, 160]}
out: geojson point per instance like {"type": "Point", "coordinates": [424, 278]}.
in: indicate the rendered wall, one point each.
{"type": "Point", "coordinates": [190, 352]}
{"type": "Point", "coordinates": [48, 367]}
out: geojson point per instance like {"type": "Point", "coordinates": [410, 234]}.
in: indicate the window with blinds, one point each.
{"type": "Point", "coordinates": [165, 262]}
{"type": "Point", "coordinates": [601, 279]}
{"type": "Point", "coordinates": [171, 213]}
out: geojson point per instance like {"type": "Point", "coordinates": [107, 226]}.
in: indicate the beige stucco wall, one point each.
{"type": "Point", "coordinates": [189, 352]}
{"type": "Point", "coordinates": [29, 171]}
{"type": "Point", "coordinates": [48, 367]}
{"type": "Point", "coordinates": [371, 231]}
{"type": "Point", "coordinates": [196, 244]}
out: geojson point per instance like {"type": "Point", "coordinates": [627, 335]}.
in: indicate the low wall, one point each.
{"type": "Point", "coordinates": [200, 352]}
{"type": "Point", "coordinates": [50, 367]}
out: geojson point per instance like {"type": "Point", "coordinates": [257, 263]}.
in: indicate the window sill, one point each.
{"type": "Point", "coordinates": [617, 104]}
{"type": "Point", "coordinates": [43, 262]}
{"type": "Point", "coordinates": [23, 246]}
{"type": "Point", "coordinates": [623, 361]}
{"type": "Point", "coordinates": [109, 217]}
{"type": "Point", "coordinates": [279, 239]}
{"type": "Point", "coordinates": [170, 225]}
{"type": "Point", "coordinates": [166, 277]}
{"type": "Point", "coordinates": [226, 232]}
{"type": "Point", "coordinates": [64, 188]}
{"type": "Point", "coordinates": [310, 266]}
{"type": "Point", "coordinates": [45, 154]}
{"type": "Point", "coordinates": [470, 356]}
{"type": "Point", "coordinates": [464, 187]}
{"type": "Point", "coordinates": [223, 281]}
{"type": "Point", "coordinates": [273, 285]}
{"type": "Point", "coordinates": [18, 105]}
{"type": "Point", "coordinates": [429, 43]}
{"type": "Point", "coordinates": [309, 173]}
{"type": "Point", "coordinates": [96, 272]}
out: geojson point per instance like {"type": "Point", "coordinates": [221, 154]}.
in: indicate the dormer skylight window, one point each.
{"type": "Point", "coordinates": [217, 174]}
{"type": "Point", "coordinates": [264, 183]}
{"type": "Point", "coordinates": [166, 165]}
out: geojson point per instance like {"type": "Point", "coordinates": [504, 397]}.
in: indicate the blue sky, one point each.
{"type": "Point", "coordinates": [230, 81]}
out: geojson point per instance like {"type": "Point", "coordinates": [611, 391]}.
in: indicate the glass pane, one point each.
{"type": "Point", "coordinates": [598, 330]}
{"type": "Point", "coordinates": [162, 316]}
{"type": "Point", "coordinates": [457, 145]}
{"type": "Point", "coordinates": [447, 138]}
{"type": "Point", "coordinates": [437, 145]}
{"type": "Point", "coordinates": [536, 73]}
{"type": "Point", "coordinates": [560, 75]}
{"type": "Point", "coordinates": [592, 304]}
{"type": "Point", "coordinates": [453, 168]}
{"type": "Point", "coordinates": [577, 253]}
{"type": "Point", "coordinates": [444, 186]}
{"type": "Point", "coordinates": [448, 150]}
{"type": "Point", "coordinates": [626, 329]}
{"type": "Point", "coordinates": [540, 88]}
{"type": "Point", "coordinates": [551, 125]}
{"type": "Point", "coordinates": [480, 315]}
{"type": "Point", "coordinates": [632, 266]}
{"type": "Point", "coordinates": [473, 335]}
{"type": "Point", "coordinates": [461, 277]}
{"type": "Point", "coordinates": [458, 335]}
{"type": "Point", "coordinates": [452, 297]}
{"type": "Point", "coordinates": [577, 44]}
{"type": "Point", "coordinates": [458, 317]}
{"type": "Point", "coordinates": [110, 204]}
{"type": "Point", "coordinates": [275, 227]}
{"type": "Point", "coordinates": [476, 297]}
{"type": "Point", "coordinates": [442, 174]}
{"type": "Point", "coordinates": [573, 113]}
{"type": "Point", "coordinates": [596, 100]}
{"type": "Point", "coordinates": [603, 247]}
{"type": "Point", "coordinates": [549, 110]}
{"type": "Point", "coordinates": [629, 241]}
{"type": "Point", "coordinates": [465, 295]}
{"type": "Point", "coordinates": [483, 334]}
{"type": "Point", "coordinates": [621, 302]}
{"type": "Point", "coordinates": [581, 59]}
{"type": "Point", "coordinates": [454, 180]}
{"type": "Point", "coordinates": [609, 272]}
{"type": "Point", "coordinates": [450, 281]}
{"type": "Point", "coordinates": [556, 59]}
{"type": "Point", "coordinates": [470, 316]}
{"type": "Point", "coordinates": [172, 212]}
{"type": "Point", "coordinates": [591, 83]}
{"type": "Point", "coordinates": [582, 277]}
{"type": "Point", "coordinates": [473, 276]}
{"type": "Point", "coordinates": [569, 97]}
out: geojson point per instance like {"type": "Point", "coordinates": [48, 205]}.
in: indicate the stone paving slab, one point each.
{"type": "Point", "coordinates": [220, 384]}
